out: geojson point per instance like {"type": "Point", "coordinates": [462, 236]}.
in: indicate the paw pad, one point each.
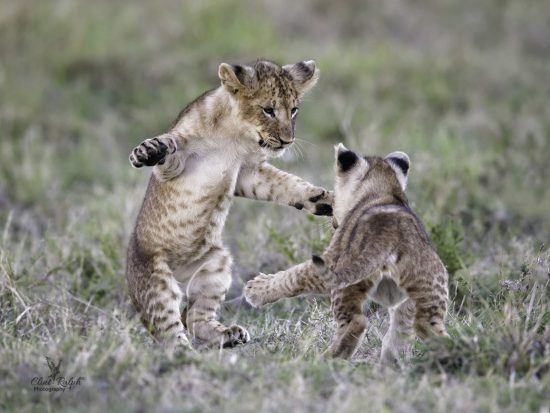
{"type": "Point", "coordinates": [152, 152]}
{"type": "Point", "coordinates": [234, 336]}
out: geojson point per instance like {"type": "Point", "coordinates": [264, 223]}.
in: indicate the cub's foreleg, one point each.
{"type": "Point", "coordinates": [301, 279]}
{"type": "Point", "coordinates": [264, 182]}
{"type": "Point", "coordinates": [165, 152]}
{"type": "Point", "coordinates": [205, 293]}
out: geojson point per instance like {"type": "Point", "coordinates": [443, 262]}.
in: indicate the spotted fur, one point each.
{"type": "Point", "coordinates": [380, 250]}
{"type": "Point", "coordinates": [217, 148]}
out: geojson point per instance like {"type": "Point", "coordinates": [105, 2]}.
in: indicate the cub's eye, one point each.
{"type": "Point", "coordinates": [293, 111]}
{"type": "Point", "coordinates": [269, 112]}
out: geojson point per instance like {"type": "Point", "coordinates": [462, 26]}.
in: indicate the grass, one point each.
{"type": "Point", "coordinates": [461, 86]}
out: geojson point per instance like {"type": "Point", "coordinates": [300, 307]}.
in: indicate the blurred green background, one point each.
{"type": "Point", "coordinates": [461, 86]}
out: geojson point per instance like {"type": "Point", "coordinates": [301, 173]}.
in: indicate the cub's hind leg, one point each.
{"type": "Point", "coordinates": [351, 323]}
{"type": "Point", "coordinates": [431, 305]}
{"type": "Point", "coordinates": [161, 306]}
{"type": "Point", "coordinates": [396, 341]}
{"type": "Point", "coordinates": [205, 293]}
{"type": "Point", "coordinates": [300, 279]}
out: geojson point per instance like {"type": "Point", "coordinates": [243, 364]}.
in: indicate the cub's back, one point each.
{"type": "Point", "coordinates": [388, 234]}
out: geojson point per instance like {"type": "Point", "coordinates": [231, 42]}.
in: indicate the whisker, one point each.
{"type": "Point", "coordinates": [298, 150]}
{"type": "Point", "coordinates": [299, 153]}
{"type": "Point", "coordinates": [293, 151]}
{"type": "Point", "coordinates": [306, 141]}
{"type": "Point", "coordinates": [301, 149]}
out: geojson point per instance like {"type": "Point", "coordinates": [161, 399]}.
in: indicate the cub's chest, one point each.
{"type": "Point", "coordinates": [210, 171]}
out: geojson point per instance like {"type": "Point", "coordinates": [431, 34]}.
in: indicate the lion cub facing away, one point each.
{"type": "Point", "coordinates": [380, 250]}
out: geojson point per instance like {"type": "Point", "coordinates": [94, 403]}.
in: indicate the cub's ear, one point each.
{"type": "Point", "coordinates": [400, 163]}
{"type": "Point", "coordinates": [339, 148]}
{"type": "Point", "coordinates": [235, 77]}
{"type": "Point", "coordinates": [304, 74]}
{"type": "Point", "coordinates": [345, 159]}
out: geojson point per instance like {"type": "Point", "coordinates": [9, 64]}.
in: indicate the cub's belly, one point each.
{"type": "Point", "coordinates": [190, 211]}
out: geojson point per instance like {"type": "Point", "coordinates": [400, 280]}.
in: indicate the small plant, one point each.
{"type": "Point", "coordinates": [283, 244]}
{"type": "Point", "coordinates": [447, 239]}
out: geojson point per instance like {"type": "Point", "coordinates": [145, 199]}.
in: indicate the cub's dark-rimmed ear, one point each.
{"type": "Point", "coordinates": [304, 75]}
{"type": "Point", "coordinates": [400, 163]}
{"type": "Point", "coordinates": [345, 159]}
{"type": "Point", "coordinates": [235, 77]}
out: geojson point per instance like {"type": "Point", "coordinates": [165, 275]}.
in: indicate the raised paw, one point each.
{"type": "Point", "coordinates": [320, 202]}
{"type": "Point", "coordinates": [152, 151]}
{"type": "Point", "coordinates": [257, 290]}
{"type": "Point", "coordinates": [234, 336]}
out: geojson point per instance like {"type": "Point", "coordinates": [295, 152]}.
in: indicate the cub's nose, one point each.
{"type": "Point", "coordinates": [286, 135]}
{"type": "Point", "coordinates": [285, 142]}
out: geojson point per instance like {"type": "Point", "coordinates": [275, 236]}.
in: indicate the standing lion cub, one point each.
{"type": "Point", "coordinates": [380, 250]}
{"type": "Point", "coordinates": [216, 149]}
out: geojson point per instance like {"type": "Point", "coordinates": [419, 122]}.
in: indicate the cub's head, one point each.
{"type": "Point", "coordinates": [268, 99]}
{"type": "Point", "coordinates": [368, 178]}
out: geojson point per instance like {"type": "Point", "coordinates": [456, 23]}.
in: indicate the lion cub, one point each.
{"type": "Point", "coordinates": [380, 250]}
{"type": "Point", "coordinates": [217, 149]}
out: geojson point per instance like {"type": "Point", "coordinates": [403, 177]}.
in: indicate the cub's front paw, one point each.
{"type": "Point", "coordinates": [152, 151]}
{"type": "Point", "coordinates": [235, 335]}
{"type": "Point", "coordinates": [257, 290]}
{"type": "Point", "coordinates": [320, 202]}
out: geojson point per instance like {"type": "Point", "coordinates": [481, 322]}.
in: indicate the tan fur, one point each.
{"type": "Point", "coordinates": [380, 250]}
{"type": "Point", "coordinates": [217, 148]}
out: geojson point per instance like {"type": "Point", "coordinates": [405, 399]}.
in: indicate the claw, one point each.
{"type": "Point", "coordinates": [317, 197]}
{"type": "Point", "coordinates": [236, 335]}
{"type": "Point", "coordinates": [152, 152]}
